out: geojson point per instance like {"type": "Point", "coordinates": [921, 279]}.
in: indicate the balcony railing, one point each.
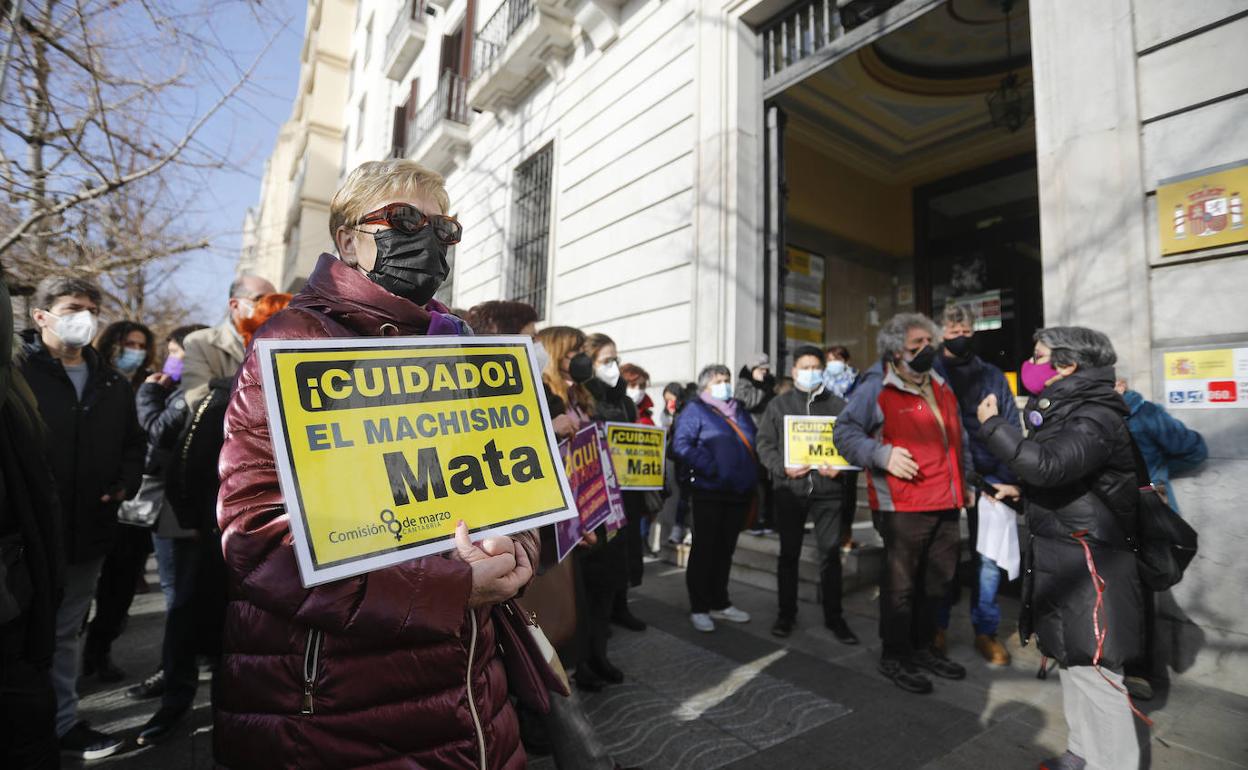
{"type": "Point", "coordinates": [493, 36]}
{"type": "Point", "coordinates": [449, 103]}
{"type": "Point", "coordinates": [439, 130]}
{"type": "Point", "coordinates": [523, 40]}
{"type": "Point", "coordinates": [405, 39]}
{"type": "Point", "coordinates": [802, 31]}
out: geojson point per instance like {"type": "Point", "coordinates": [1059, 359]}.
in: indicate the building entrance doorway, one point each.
{"type": "Point", "coordinates": [902, 176]}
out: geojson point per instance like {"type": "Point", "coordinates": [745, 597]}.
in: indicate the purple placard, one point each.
{"type": "Point", "coordinates": [615, 498]}
{"type": "Point", "coordinates": [594, 488]}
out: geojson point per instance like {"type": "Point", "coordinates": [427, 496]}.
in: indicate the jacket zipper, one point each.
{"type": "Point", "coordinates": [472, 704]}
{"type": "Point", "coordinates": [953, 461]}
{"type": "Point", "coordinates": [809, 477]}
{"type": "Point", "coordinates": [311, 659]}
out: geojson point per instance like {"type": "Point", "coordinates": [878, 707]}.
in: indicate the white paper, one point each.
{"type": "Point", "coordinates": [998, 534]}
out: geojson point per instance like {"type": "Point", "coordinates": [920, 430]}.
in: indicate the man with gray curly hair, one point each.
{"type": "Point", "coordinates": [903, 426]}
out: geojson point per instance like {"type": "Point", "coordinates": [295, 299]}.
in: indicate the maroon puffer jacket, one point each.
{"type": "Point", "coordinates": [371, 671]}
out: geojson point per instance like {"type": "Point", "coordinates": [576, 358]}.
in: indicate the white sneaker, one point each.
{"type": "Point", "coordinates": [677, 537]}
{"type": "Point", "coordinates": [731, 614]}
{"type": "Point", "coordinates": [702, 622]}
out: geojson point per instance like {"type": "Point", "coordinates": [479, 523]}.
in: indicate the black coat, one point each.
{"type": "Point", "coordinates": [754, 394]}
{"type": "Point", "coordinates": [771, 443]}
{"type": "Point", "coordinates": [96, 445]}
{"type": "Point", "coordinates": [162, 415]}
{"type": "Point", "coordinates": [30, 517]}
{"type": "Point", "coordinates": [623, 559]}
{"type": "Point", "coordinates": [1078, 476]}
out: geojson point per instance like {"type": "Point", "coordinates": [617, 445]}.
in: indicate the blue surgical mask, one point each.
{"type": "Point", "coordinates": [808, 380]}
{"type": "Point", "coordinates": [836, 367]}
{"type": "Point", "coordinates": [128, 360]}
{"type": "Point", "coordinates": [721, 391]}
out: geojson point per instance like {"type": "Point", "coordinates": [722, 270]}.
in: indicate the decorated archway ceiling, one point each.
{"type": "Point", "coordinates": [911, 106]}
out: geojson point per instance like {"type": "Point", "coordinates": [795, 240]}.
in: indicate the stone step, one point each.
{"type": "Point", "coordinates": [754, 561]}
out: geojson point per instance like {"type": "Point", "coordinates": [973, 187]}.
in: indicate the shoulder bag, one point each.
{"type": "Point", "coordinates": [143, 509]}
{"type": "Point", "coordinates": [533, 668]}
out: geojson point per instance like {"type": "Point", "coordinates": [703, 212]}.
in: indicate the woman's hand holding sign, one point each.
{"type": "Point", "coordinates": [499, 568]}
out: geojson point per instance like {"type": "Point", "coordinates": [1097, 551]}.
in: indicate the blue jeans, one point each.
{"type": "Point", "coordinates": [177, 560]}
{"type": "Point", "coordinates": [985, 614]}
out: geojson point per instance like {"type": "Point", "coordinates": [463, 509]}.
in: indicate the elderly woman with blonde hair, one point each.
{"type": "Point", "coordinates": [397, 667]}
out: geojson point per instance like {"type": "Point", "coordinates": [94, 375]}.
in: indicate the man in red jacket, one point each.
{"type": "Point", "coordinates": [398, 667]}
{"type": "Point", "coordinates": [903, 426]}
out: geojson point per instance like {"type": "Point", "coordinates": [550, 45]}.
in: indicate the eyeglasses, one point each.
{"type": "Point", "coordinates": [410, 220]}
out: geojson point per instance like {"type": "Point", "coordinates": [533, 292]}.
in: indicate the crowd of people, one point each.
{"type": "Point", "coordinates": [104, 459]}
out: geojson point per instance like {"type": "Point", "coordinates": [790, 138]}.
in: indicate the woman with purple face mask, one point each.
{"type": "Point", "coordinates": [1081, 591]}
{"type": "Point", "coordinates": [173, 361]}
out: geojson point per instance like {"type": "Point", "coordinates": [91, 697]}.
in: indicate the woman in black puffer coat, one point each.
{"type": "Point", "coordinates": [1080, 498]}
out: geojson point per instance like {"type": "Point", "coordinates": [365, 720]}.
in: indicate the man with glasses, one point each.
{"type": "Point", "coordinates": [218, 352]}
{"type": "Point", "coordinates": [902, 425]}
{"type": "Point", "coordinates": [96, 449]}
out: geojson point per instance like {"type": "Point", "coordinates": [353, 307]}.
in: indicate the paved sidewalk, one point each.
{"type": "Point", "coordinates": [739, 698]}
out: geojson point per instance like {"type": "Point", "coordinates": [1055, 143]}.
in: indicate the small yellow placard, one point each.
{"type": "Point", "coordinates": [383, 445]}
{"type": "Point", "coordinates": [1204, 210]}
{"type": "Point", "coordinates": [637, 455]}
{"type": "Point", "coordinates": [808, 442]}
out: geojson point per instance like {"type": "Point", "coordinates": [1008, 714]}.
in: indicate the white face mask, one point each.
{"type": "Point", "coordinates": [542, 356]}
{"type": "Point", "coordinates": [246, 309]}
{"type": "Point", "coordinates": [808, 380]}
{"type": "Point", "coordinates": [721, 391]}
{"type": "Point", "coordinates": [76, 330]}
{"type": "Point", "coordinates": [636, 394]}
{"type": "Point", "coordinates": [835, 367]}
{"type": "Point", "coordinates": [608, 373]}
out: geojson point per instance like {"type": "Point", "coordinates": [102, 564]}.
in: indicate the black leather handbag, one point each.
{"type": "Point", "coordinates": [1165, 543]}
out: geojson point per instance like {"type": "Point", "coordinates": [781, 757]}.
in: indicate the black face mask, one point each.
{"type": "Point", "coordinates": [409, 266]}
{"type": "Point", "coordinates": [581, 368]}
{"type": "Point", "coordinates": [922, 360]}
{"type": "Point", "coordinates": [962, 348]}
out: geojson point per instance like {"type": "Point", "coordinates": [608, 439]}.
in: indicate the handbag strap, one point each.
{"type": "Point", "coordinates": [1141, 467]}
{"type": "Point", "coordinates": [740, 433]}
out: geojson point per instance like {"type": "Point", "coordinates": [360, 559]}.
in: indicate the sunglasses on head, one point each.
{"type": "Point", "coordinates": [409, 220]}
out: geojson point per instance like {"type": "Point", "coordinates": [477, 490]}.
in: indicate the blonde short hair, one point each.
{"type": "Point", "coordinates": [378, 178]}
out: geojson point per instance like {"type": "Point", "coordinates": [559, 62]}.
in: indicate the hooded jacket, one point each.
{"type": "Point", "coordinates": [384, 670]}
{"type": "Point", "coordinates": [95, 444]}
{"type": "Point", "coordinates": [1079, 483]}
{"type": "Point", "coordinates": [886, 411]}
{"type": "Point", "coordinates": [771, 442]}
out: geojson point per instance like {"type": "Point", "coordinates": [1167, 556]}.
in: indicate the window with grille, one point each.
{"type": "Point", "coordinates": [530, 230]}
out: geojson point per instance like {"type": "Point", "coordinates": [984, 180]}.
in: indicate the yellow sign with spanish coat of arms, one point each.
{"type": "Point", "coordinates": [1204, 210]}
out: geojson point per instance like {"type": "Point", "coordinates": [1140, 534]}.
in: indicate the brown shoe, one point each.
{"type": "Point", "coordinates": [993, 651]}
{"type": "Point", "coordinates": [938, 644]}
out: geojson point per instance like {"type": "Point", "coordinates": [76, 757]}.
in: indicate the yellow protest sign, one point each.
{"type": "Point", "coordinates": [637, 454]}
{"type": "Point", "coordinates": [808, 442]}
{"type": "Point", "coordinates": [384, 444]}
